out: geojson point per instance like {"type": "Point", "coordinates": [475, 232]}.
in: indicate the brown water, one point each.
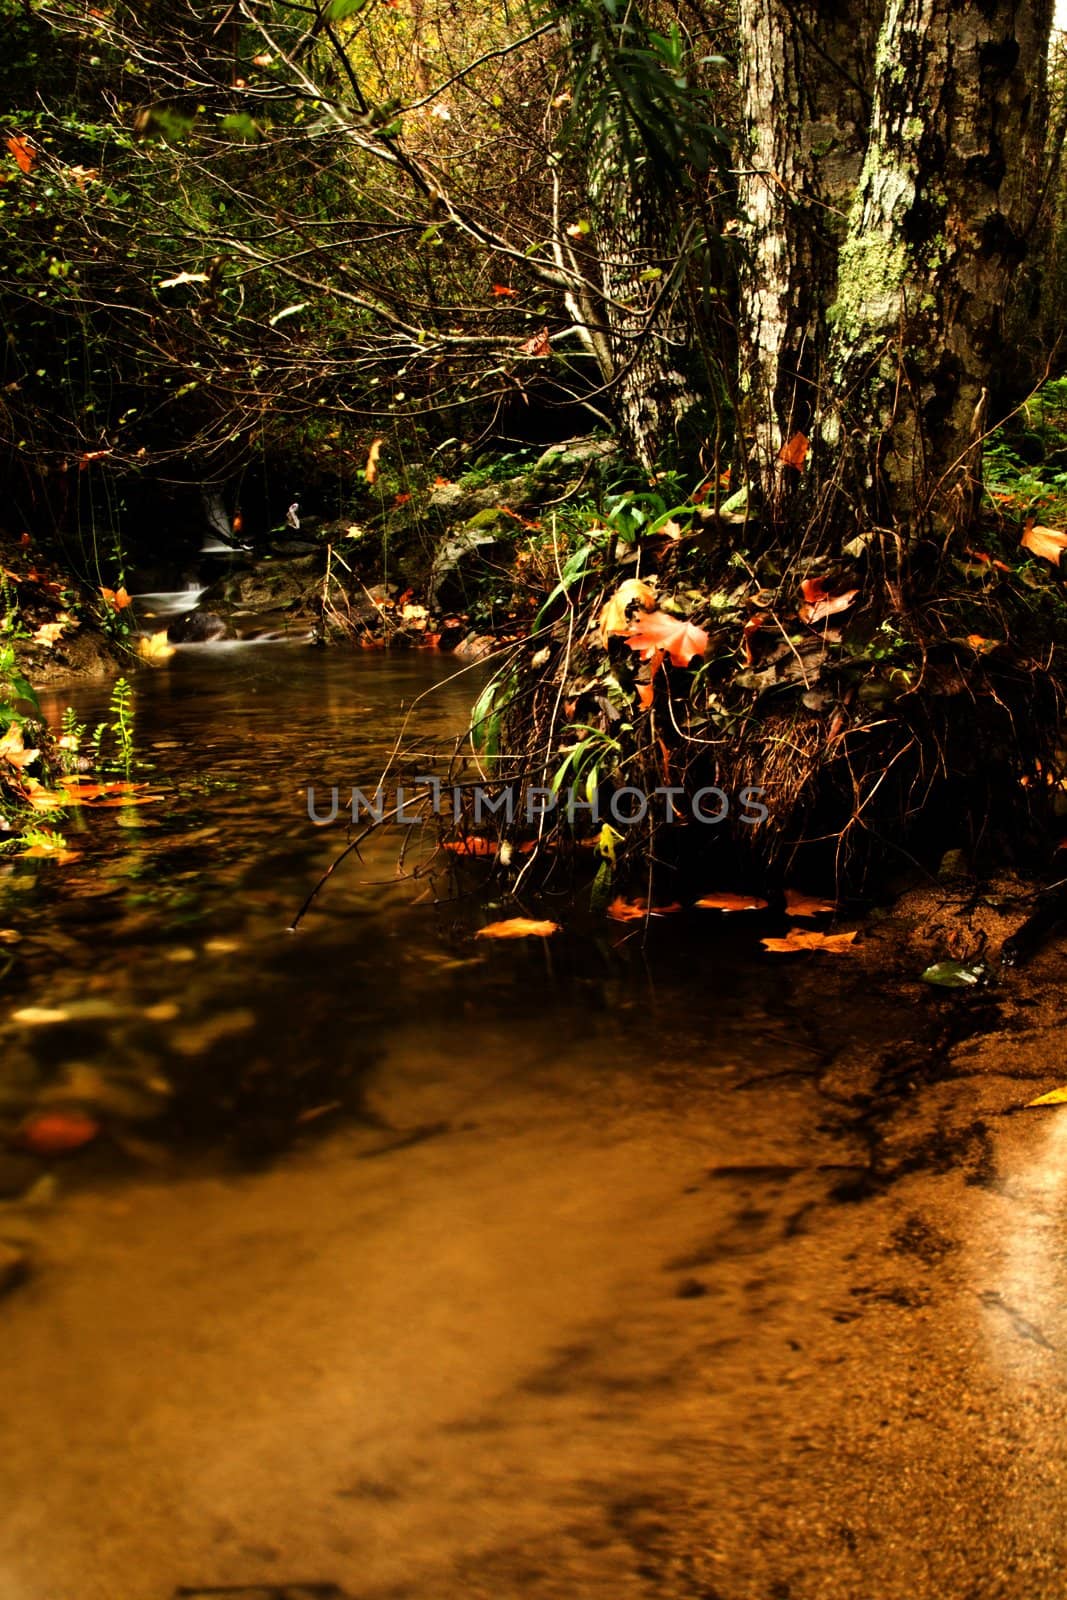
{"type": "Point", "coordinates": [420, 1267]}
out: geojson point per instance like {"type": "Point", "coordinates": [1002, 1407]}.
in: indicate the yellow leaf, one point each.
{"type": "Point", "coordinates": [48, 633]}
{"type": "Point", "coordinates": [12, 750]}
{"type": "Point", "coordinates": [1055, 1097]}
{"type": "Point", "coordinates": [155, 648]}
{"type": "Point", "coordinates": [57, 852]}
{"type": "Point", "coordinates": [796, 939]}
{"type": "Point", "coordinates": [40, 798]}
{"type": "Point", "coordinates": [1046, 542]}
{"type": "Point", "coordinates": [613, 618]}
{"type": "Point", "coordinates": [518, 928]}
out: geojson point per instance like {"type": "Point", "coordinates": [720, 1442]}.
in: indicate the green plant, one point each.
{"type": "Point", "coordinates": [15, 689]}
{"type": "Point", "coordinates": [121, 709]}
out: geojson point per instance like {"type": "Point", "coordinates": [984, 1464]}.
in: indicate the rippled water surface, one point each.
{"type": "Point", "coordinates": [408, 1265]}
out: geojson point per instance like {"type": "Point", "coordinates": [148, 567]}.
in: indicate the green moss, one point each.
{"type": "Point", "coordinates": [872, 268]}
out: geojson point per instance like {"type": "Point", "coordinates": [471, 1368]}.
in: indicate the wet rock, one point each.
{"type": "Point", "coordinates": [475, 647]}
{"type": "Point", "coordinates": [463, 562]}
{"type": "Point", "coordinates": [17, 1174]}
{"type": "Point", "coordinates": [294, 547]}
{"type": "Point", "coordinates": [14, 1267]}
{"type": "Point", "coordinates": [199, 627]}
{"type": "Point", "coordinates": [691, 1289]}
{"type": "Point", "coordinates": [561, 463]}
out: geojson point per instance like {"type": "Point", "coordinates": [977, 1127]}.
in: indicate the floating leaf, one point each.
{"type": "Point", "coordinates": [725, 900]}
{"type": "Point", "coordinates": [56, 1133]}
{"type": "Point", "coordinates": [58, 852]}
{"type": "Point", "coordinates": [40, 798]}
{"type": "Point", "coordinates": [680, 640]}
{"type": "Point", "coordinates": [956, 975]}
{"type": "Point", "coordinates": [798, 939]}
{"type": "Point", "coordinates": [637, 910]}
{"type": "Point", "coordinates": [155, 648]}
{"type": "Point", "coordinates": [806, 905]}
{"type": "Point", "coordinates": [518, 928]}
{"type": "Point", "coordinates": [1048, 543]}
{"type": "Point", "coordinates": [474, 846]}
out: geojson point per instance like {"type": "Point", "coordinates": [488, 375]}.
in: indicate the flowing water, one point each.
{"type": "Point", "coordinates": [410, 1265]}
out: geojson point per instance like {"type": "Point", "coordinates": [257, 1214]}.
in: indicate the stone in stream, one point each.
{"type": "Point", "coordinates": [18, 1172]}
{"type": "Point", "coordinates": [200, 627]}
{"type": "Point", "coordinates": [14, 1266]}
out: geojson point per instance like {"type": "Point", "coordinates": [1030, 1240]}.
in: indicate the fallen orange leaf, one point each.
{"type": "Point", "coordinates": [22, 150]}
{"type": "Point", "coordinates": [752, 626]}
{"type": "Point", "coordinates": [1045, 542]}
{"type": "Point", "coordinates": [798, 939]}
{"type": "Point", "coordinates": [657, 631]}
{"type": "Point", "coordinates": [502, 292]}
{"type": "Point", "coordinates": [474, 846]}
{"type": "Point", "coordinates": [518, 928]}
{"type": "Point", "coordinates": [539, 345]}
{"type": "Point", "coordinates": [794, 453]}
{"type": "Point", "coordinates": [621, 910]}
{"type": "Point", "coordinates": [806, 905]}
{"type": "Point", "coordinates": [725, 900]}
{"type": "Point", "coordinates": [818, 604]}
{"type": "Point", "coordinates": [613, 618]}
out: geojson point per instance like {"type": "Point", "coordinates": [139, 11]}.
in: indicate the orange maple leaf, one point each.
{"type": "Point", "coordinates": [657, 631]}
{"type": "Point", "coordinates": [501, 291]}
{"type": "Point", "coordinates": [818, 604]}
{"type": "Point", "coordinates": [621, 910]}
{"type": "Point", "coordinates": [518, 928]}
{"type": "Point", "coordinates": [725, 900]}
{"type": "Point", "coordinates": [798, 939]}
{"type": "Point", "coordinates": [1046, 542]}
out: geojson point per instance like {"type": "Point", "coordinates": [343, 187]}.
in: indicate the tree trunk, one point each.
{"type": "Point", "coordinates": [928, 240]}
{"type": "Point", "coordinates": [807, 80]}
{"type": "Point", "coordinates": [635, 323]}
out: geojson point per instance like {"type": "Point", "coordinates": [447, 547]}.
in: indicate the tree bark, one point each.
{"type": "Point", "coordinates": [928, 162]}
